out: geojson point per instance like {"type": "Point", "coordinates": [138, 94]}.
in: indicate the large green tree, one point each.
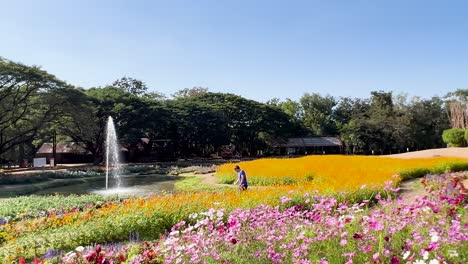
{"type": "Point", "coordinates": [318, 113]}
{"type": "Point", "coordinates": [29, 99]}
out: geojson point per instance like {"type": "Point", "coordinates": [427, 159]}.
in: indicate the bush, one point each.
{"type": "Point", "coordinates": [466, 135]}
{"type": "Point", "coordinates": [454, 137]}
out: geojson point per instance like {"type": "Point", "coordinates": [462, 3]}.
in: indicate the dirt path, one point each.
{"type": "Point", "coordinates": [411, 189]}
{"type": "Point", "coordinates": [429, 153]}
{"type": "Point", "coordinates": [210, 179]}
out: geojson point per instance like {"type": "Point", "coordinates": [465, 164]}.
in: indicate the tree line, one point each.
{"type": "Point", "coordinates": [34, 105]}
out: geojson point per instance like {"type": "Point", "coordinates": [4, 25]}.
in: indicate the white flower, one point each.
{"type": "Point", "coordinates": [79, 249]}
{"type": "Point", "coordinates": [419, 261]}
{"type": "Point", "coordinates": [406, 254]}
{"type": "Point", "coordinates": [434, 237]}
{"type": "Point", "coordinates": [193, 216]}
{"type": "Point", "coordinates": [433, 261]}
{"type": "Point", "coordinates": [426, 255]}
{"type": "Point", "coordinates": [453, 253]}
{"type": "Point", "coordinates": [70, 254]}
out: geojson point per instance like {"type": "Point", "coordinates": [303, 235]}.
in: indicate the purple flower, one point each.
{"type": "Point", "coordinates": [52, 253]}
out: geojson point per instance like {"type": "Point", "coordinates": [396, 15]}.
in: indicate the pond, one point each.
{"type": "Point", "coordinates": [138, 185]}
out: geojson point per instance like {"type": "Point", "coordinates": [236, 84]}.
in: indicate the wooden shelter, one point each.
{"type": "Point", "coordinates": [312, 145]}
{"type": "Point", "coordinates": [67, 152]}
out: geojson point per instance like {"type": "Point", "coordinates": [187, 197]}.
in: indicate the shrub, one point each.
{"type": "Point", "coordinates": [454, 137]}
{"type": "Point", "coordinates": [466, 135]}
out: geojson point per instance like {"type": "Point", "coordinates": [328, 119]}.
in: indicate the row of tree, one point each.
{"type": "Point", "coordinates": [34, 105]}
{"type": "Point", "coordinates": [384, 123]}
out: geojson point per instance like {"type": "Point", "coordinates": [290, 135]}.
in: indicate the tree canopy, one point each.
{"type": "Point", "coordinates": [33, 103]}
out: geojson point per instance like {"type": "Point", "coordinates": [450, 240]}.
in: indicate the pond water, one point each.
{"type": "Point", "coordinates": [133, 185]}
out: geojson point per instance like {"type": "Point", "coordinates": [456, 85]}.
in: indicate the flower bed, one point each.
{"type": "Point", "coordinates": [432, 229]}
{"type": "Point", "coordinates": [334, 171]}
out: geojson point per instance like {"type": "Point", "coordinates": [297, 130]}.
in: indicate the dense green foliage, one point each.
{"type": "Point", "coordinates": [29, 99]}
{"type": "Point", "coordinates": [382, 124]}
{"type": "Point", "coordinates": [454, 137]}
{"type": "Point", "coordinates": [196, 122]}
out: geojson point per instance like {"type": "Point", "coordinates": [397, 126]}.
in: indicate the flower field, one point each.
{"type": "Point", "coordinates": [315, 192]}
{"type": "Point", "coordinates": [433, 229]}
{"type": "Point", "coordinates": [334, 172]}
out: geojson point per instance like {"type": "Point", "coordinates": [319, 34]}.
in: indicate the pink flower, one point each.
{"type": "Point", "coordinates": [368, 248]}
{"type": "Point", "coordinates": [376, 226]}
{"type": "Point", "coordinates": [323, 261]}
{"type": "Point", "coordinates": [343, 242]}
{"type": "Point", "coordinates": [285, 199]}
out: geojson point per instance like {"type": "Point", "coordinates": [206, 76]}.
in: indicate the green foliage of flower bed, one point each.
{"type": "Point", "coordinates": [148, 224]}
{"type": "Point", "coordinates": [230, 178]}
{"type": "Point", "coordinates": [34, 206]}
{"type": "Point", "coordinates": [439, 169]}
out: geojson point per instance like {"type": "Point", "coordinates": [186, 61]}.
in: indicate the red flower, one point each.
{"type": "Point", "coordinates": [357, 236]}
{"type": "Point", "coordinates": [233, 241]}
{"type": "Point", "coordinates": [231, 223]}
{"type": "Point", "coordinates": [100, 259]}
{"type": "Point", "coordinates": [21, 260]}
{"type": "Point", "coordinates": [98, 248]}
{"type": "Point", "coordinates": [91, 256]}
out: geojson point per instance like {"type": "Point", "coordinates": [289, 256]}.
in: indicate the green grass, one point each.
{"type": "Point", "coordinates": [192, 183]}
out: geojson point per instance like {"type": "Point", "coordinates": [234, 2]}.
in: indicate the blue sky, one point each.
{"type": "Point", "coordinates": [258, 49]}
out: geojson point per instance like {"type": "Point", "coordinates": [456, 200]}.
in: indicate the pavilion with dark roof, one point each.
{"type": "Point", "coordinates": [312, 145]}
{"type": "Point", "coordinates": [67, 152]}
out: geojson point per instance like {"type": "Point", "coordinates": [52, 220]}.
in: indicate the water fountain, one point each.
{"type": "Point", "coordinates": [112, 154]}
{"type": "Point", "coordinates": [117, 181]}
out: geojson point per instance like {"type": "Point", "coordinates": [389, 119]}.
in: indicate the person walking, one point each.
{"type": "Point", "coordinates": [241, 178]}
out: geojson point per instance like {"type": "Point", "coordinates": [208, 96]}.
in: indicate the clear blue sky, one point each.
{"type": "Point", "coordinates": [258, 49]}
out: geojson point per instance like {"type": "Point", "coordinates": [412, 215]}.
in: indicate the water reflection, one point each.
{"type": "Point", "coordinates": [138, 185]}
